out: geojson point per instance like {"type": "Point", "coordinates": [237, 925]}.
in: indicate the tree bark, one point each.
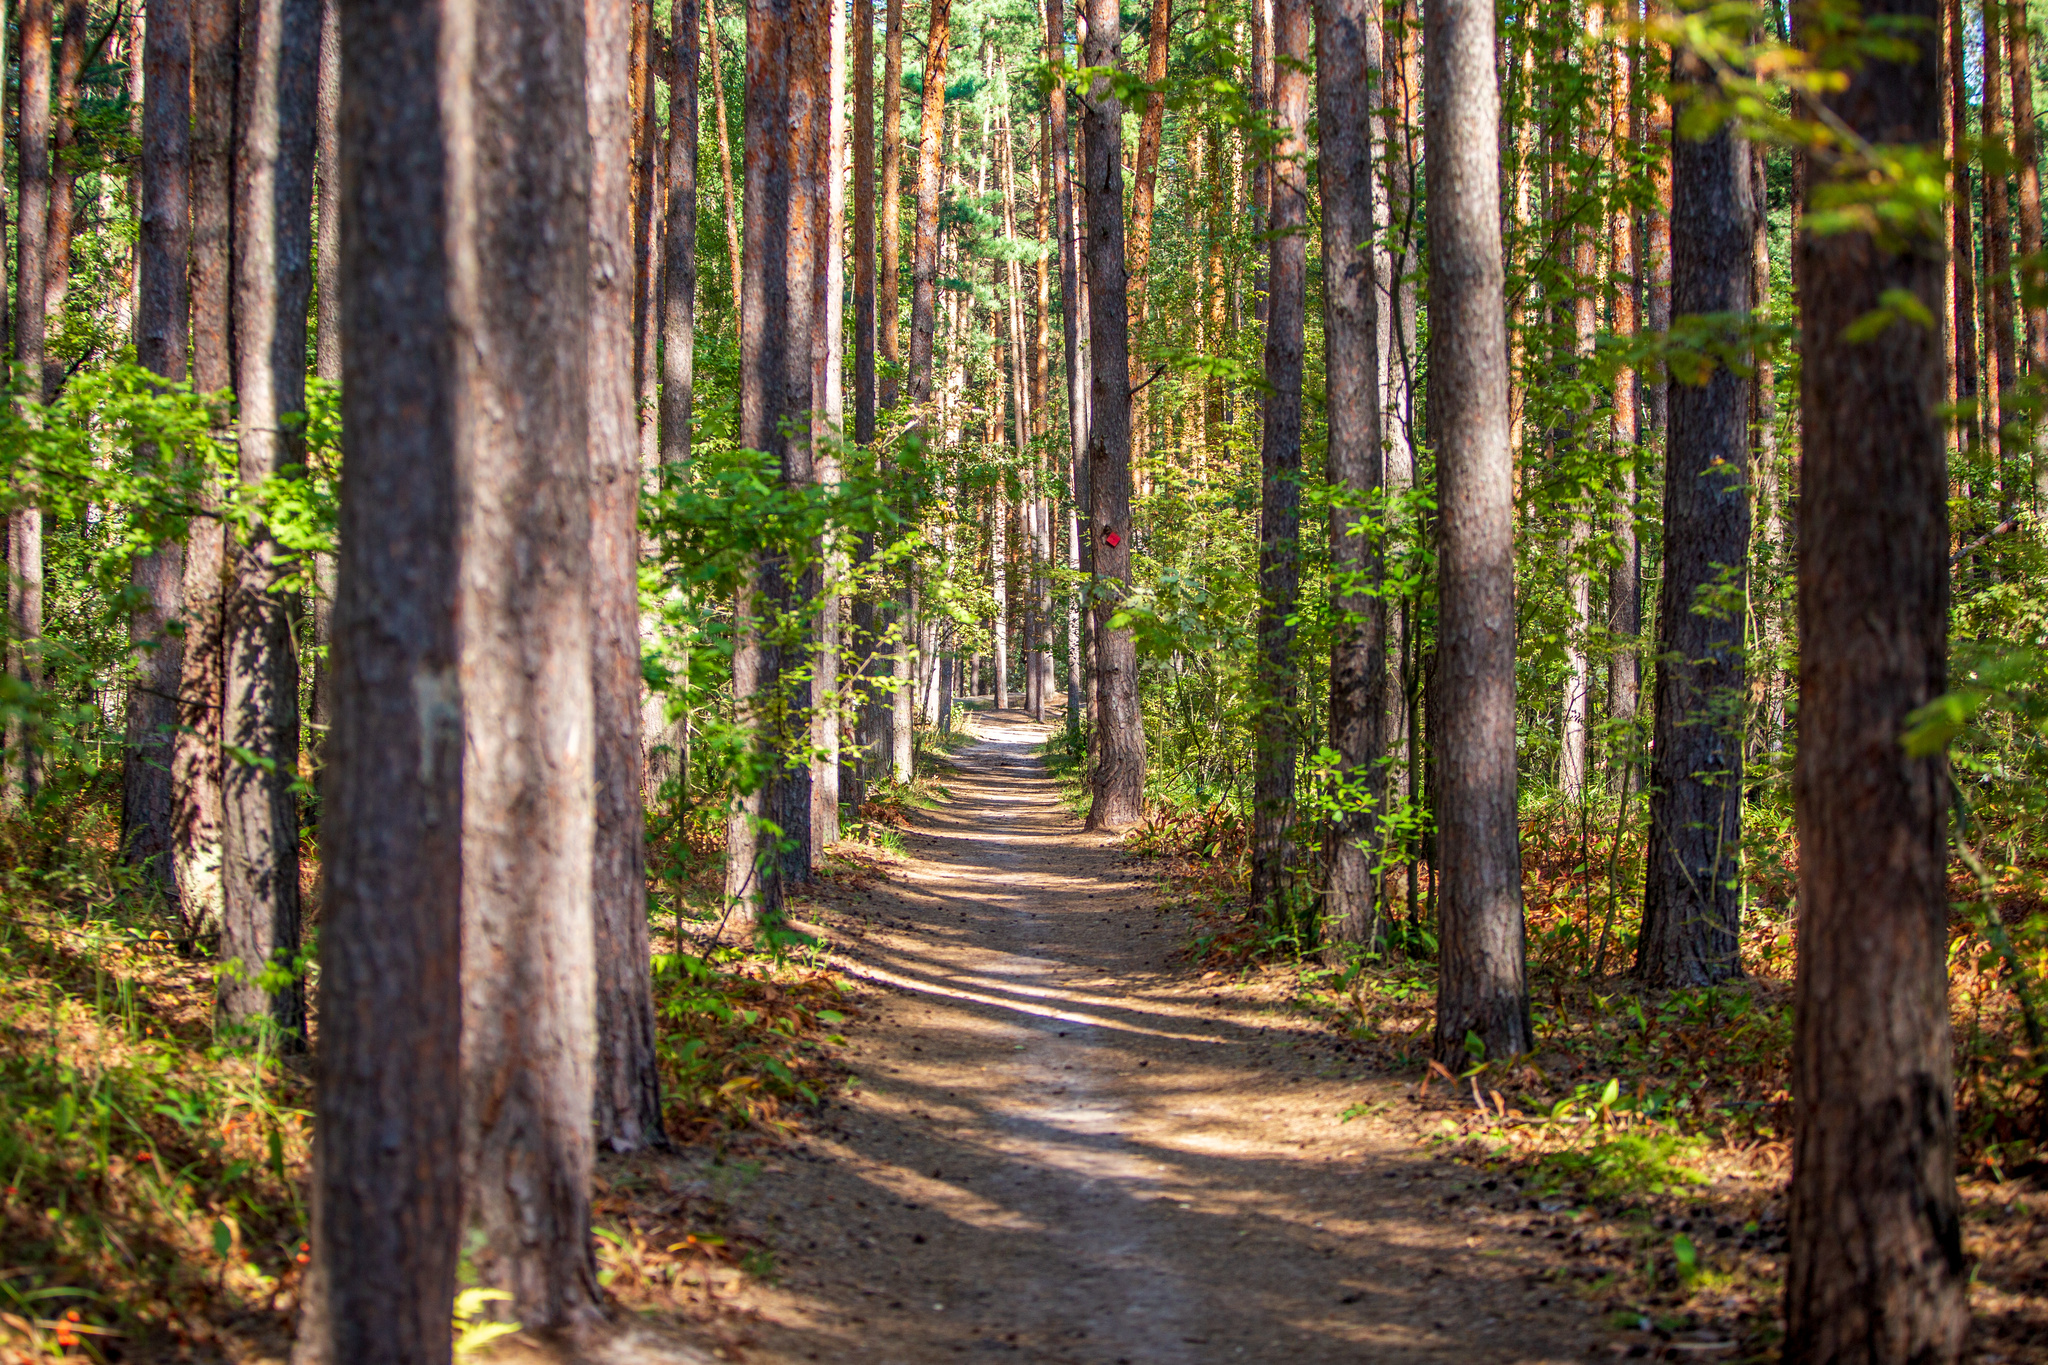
{"type": "Point", "coordinates": [828, 402]}
{"type": "Point", "coordinates": [869, 613]}
{"type": "Point", "coordinates": [1963, 250]}
{"type": "Point", "coordinates": [924, 261]}
{"type": "Point", "coordinates": [646, 216]}
{"type": "Point", "coordinates": [1077, 374]}
{"type": "Point", "coordinates": [2001, 372]}
{"type": "Point", "coordinates": [386, 1222]}
{"type": "Point", "coordinates": [1119, 778]}
{"type": "Point", "coordinates": [1625, 573]}
{"type": "Point", "coordinates": [789, 121]}
{"type": "Point", "coordinates": [276, 102]}
{"type": "Point", "coordinates": [1146, 177]}
{"type": "Point", "coordinates": [732, 212]}
{"type": "Point", "coordinates": [1348, 90]}
{"type": "Point", "coordinates": [1482, 983]}
{"type": "Point", "coordinates": [1877, 1270]}
{"type": "Point", "coordinates": [25, 524]}
{"type": "Point", "coordinates": [1576, 733]}
{"type": "Point", "coordinates": [2027, 164]}
{"type": "Point", "coordinates": [196, 762]}
{"type": "Point", "coordinates": [627, 1083]}
{"type": "Point", "coordinates": [1692, 889]}
{"type": "Point", "coordinates": [162, 325]}
{"type": "Point", "coordinates": [327, 329]}
{"type": "Point", "coordinates": [891, 225]}
{"type": "Point", "coordinates": [1278, 687]}
{"type": "Point", "coordinates": [679, 240]}
{"type": "Point", "coordinates": [526, 652]}
{"type": "Point", "coordinates": [71, 46]}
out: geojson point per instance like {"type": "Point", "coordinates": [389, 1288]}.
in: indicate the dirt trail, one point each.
{"type": "Point", "coordinates": [1065, 1148]}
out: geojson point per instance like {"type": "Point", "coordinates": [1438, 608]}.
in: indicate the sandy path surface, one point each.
{"type": "Point", "coordinates": [1064, 1147]}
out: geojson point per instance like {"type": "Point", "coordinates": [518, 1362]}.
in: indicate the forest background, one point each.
{"type": "Point", "coordinates": [164, 812]}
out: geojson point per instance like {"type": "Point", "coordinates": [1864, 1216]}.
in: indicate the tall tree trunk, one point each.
{"type": "Point", "coordinates": [71, 47]}
{"type": "Point", "coordinates": [891, 199]}
{"type": "Point", "coordinates": [1482, 984]}
{"type": "Point", "coordinates": [2001, 373]}
{"type": "Point", "coordinates": [1077, 374]}
{"type": "Point", "coordinates": [1576, 733]}
{"type": "Point", "coordinates": [327, 328]}
{"type": "Point", "coordinates": [1962, 249]}
{"type": "Point", "coordinates": [276, 103]}
{"type": "Point", "coordinates": [162, 327]}
{"type": "Point", "coordinates": [1348, 90]}
{"type": "Point", "coordinates": [1146, 177]}
{"type": "Point", "coordinates": [1657, 266]}
{"type": "Point", "coordinates": [924, 262]}
{"type": "Point", "coordinates": [528, 770]}
{"type": "Point", "coordinates": [789, 117]}
{"type": "Point", "coordinates": [732, 203]}
{"type": "Point", "coordinates": [2027, 164]}
{"type": "Point", "coordinates": [1625, 572]}
{"type": "Point", "coordinates": [1692, 888]}
{"type": "Point", "coordinates": [869, 613]}
{"type": "Point", "coordinates": [387, 1215]}
{"type": "Point", "coordinates": [1877, 1271]}
{"type": "Point", "coordinates": [196, 761]}
{"type": "Point", "coordinates": [1119, 778]}
{"type": "Point", "coordinates": [1402, 359]}
{"type": "Point", "coordinates": [828, 360]}
{"type": "Point", "coordinates": [678, 295]}
{"type": "Point", "coordinates": [645, 127]}
{"type": "Point", "coordinates": [1278, 687]}
{"type": "Point", "coordinates": [627, 1083]}
{"type": "Point", "coordinates": [1259, 98]}
{"type": "Point", "coordinates": [25, 524]}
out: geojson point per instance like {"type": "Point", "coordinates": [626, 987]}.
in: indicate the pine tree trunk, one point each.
{"type": "Point", "coordinates": [526, 677]}
{"type": "Point", "coordinates": [718, 116]}
{"type": "Point", "coordinates": [1348, 89]}
{"type": "Point", "coordinates": [869, 610]}
{"type": "Point", "coordinates": [2001, 372]}
{"type": "Point", "coordinates": [1278, 685]}
{"type": "Point", "coordinates": [1692, 887]}
{"type": "Point", "coordinates": [197, 759]}
{"type": "Point", "coordinates": [828, 360]}
{"type": "Point", "coordinates": [1119, 778]}
{"type": "Point", "coordinates": [277, 100]}
{"type": "Point", "coordinates": [1877, 1270]}
{"type": "Point", "coordinates": [679, 328]}
{"type": "Point", "coordinates": [1482, 984]}
{"type": "Point", "coordinates": [924, 261]}
{"type": "Point", "coordinates": [627, 1085]}
{"type": "Point", "coordinates": [1962, 249]}
{"type": "Point", "coordinates": [326, 330]}
{"type": "Point", "coordinates": [891, 225]}
{"type": "Point", "coordinates": [71, 46]}
{"type": "Point", "coordinates": [386, 1222]}
{"type": "Point", "coordinates": [1071, 312]}
{"type": "Point", "coordinates": [2027, 164]}
{"type": "Point", "coordinates": [646, 223]}
{"type": "Point", "coordinates": [1625, 572]}
{"type": "Point", "coordinates": [25, 524]}
{"type": "Point", "coordinates": [162, 327]}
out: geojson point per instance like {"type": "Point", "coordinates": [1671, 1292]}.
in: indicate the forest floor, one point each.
{"type": "Point", "coordinates": [1064, 1143]}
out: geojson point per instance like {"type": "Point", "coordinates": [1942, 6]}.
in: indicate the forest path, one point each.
{"type": "Point", "coordinates": [1063, 1147]}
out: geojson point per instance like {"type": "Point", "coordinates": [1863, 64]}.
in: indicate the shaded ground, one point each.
{"type": "Point", "coordinates": [1064, 1147]}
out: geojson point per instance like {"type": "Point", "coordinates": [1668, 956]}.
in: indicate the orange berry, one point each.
{"type": "Point", "coordinates": [302, 1258]}
{"type": "Point", "coordinates": [71, 1316]}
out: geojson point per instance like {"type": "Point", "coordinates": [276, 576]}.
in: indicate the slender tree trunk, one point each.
{"type": "Point", "coordinates": [647, 220]}
{"type": "Point", "coordinates": [732, 203]}
{"type": "Point", "coordinates": [1278, 687]}
{"type": "Point", "coordinates": [1260, 100]}
{"type": "Point", "coordinates": [870, 613]}
{"type": "Point", "coordinates": [1877, 1271]}
{"type": "Point", "coordinates": [1692, 888]}
{"type": "Point", "coordinates": [1482, 985]}
{"type": "Point", "coordinates": [2001, 371]}
{"type": "Point", "coordinates": [1146, 178]}
{"type": "Point", "coordinates": [326, 332]}
{"type": "Point", "coordinates": [789, 116]}
{"type": "Point", "coordinates": [63, 181]}
{"type": "Point", "coordinates": [2027, 164]}
{"type": "Point", "coordinates": [1576, 733]}
{"type": "Point", "coordinates": [627, 1083]}
{"type": "Point", "coordinates": [1657, 310]}
{"type": "Point", "coordinates": [1077, 380]}
{"type": "Point", "coordinates": [678, 295]}
{"type": "Point", "coordinates": [828, 358]}
{"type": "Point", "coordinates": [1963, 249]}
{"type": "Point", "coordinates": [1402, 359]}
{"type": "Point", "coordinates": [891, 199]}
{"type": "Point", "coordinates": [1119, 778]}
{"type": "Point", "coordinates": [924, 266]}
{"type": "Point", "coordinates": [25, 524]}
{"type": "Point", "coordinates": [162, 327]}
{"type": "Point", "coordinates": [1348, 90]}
{"type": "Point", "coordinates": [1625, 573]}
{"type": "Point", "coordinates": [276, 103]}
{"type": "Point", "coordinates": [196, 761]}
{"type": "Point", "coordinates": [387, 1215]}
